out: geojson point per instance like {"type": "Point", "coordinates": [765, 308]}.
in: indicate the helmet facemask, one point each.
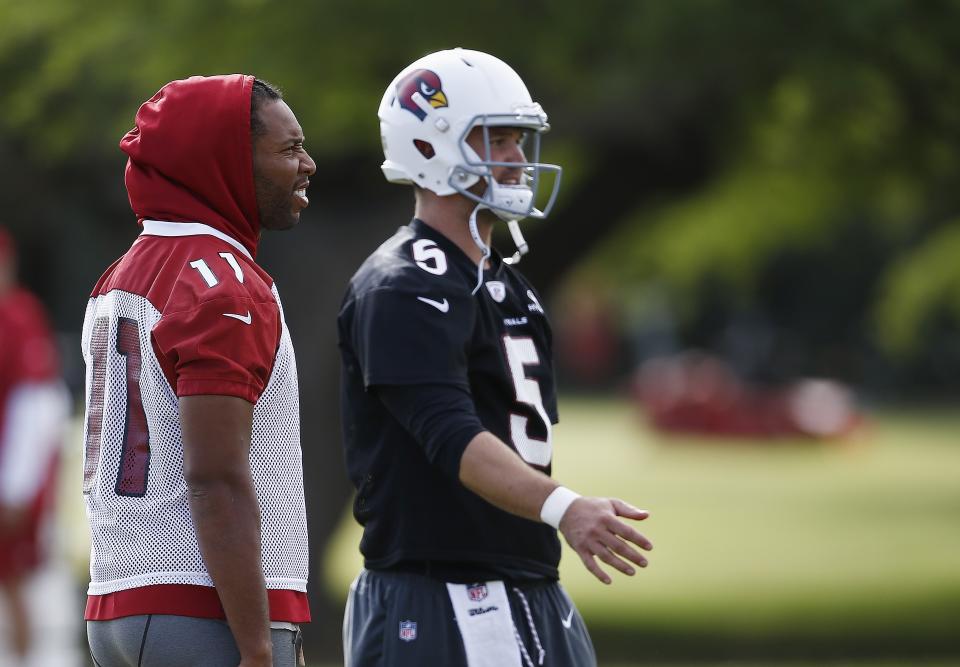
{"type": "Point", "coordinates": [508, 202]}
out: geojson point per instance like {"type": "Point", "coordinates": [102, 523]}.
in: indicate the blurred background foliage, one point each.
{"type": "Point", "coordinates": [774, 181]}
{"type": "Point", "coordinates": [712, 147]}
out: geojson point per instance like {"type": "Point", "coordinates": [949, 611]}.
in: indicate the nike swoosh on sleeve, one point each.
{"type": "Point", "coordinates": [246, 319]}
{"type": "Point", "coordinates": [442, 306]}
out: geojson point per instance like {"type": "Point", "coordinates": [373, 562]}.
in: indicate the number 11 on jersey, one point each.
{"type": "Point", "coordinates": [522, 352]}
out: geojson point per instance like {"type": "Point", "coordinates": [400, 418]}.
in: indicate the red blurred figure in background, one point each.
{"type": "Point", "coordinates": [33, 411]}
{"type": "Point", "coordinates": [588, 342]}
{"type": "Point", "coordinates": [697, 393]}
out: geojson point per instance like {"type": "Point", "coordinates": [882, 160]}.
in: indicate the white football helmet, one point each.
{"type": "Point", "coordinates": [429, 109]}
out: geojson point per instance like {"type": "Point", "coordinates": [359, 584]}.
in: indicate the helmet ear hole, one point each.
{"type": "Point", "coordinates": [425, 148]}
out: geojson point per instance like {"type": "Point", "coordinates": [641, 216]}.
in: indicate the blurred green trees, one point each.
{"type": "Point", "coordinates": [856, 130]}
{"type": "Point", "coordinates": [791, 123]}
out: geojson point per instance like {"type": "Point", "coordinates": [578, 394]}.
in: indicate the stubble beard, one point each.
{"type": "Point", "coordinates": [274, 207]}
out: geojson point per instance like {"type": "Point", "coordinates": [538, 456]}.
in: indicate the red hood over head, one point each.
{"type": "Point", "coordinates": [191, 158]}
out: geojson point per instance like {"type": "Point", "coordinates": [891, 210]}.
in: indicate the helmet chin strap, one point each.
{"type": "Point", "coordinates": [517, 235]}
{"type": "Point", "coordinates": [484, 248]}
{"type": "Point", "coordinates": [507, 199]}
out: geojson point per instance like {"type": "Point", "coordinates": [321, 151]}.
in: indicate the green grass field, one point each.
{"type": "Point", "coordinates": [798, 550]}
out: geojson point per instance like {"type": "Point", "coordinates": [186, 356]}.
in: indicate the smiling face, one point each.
{"type": "Point", "coordinates": [281, 167]}
{"type": "Point", "coordinates": [506, 145]}
{"type": "Point", "coordinates": [503, 144]}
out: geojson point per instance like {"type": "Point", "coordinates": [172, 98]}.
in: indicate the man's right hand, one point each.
{"type": "Point", "coordinates": [593, 529]}
{"type": "Point", "coordinates": [495, 472]}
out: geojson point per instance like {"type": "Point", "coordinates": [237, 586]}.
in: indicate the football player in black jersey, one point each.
{"type": "Point", "coordinates": [449, 397]}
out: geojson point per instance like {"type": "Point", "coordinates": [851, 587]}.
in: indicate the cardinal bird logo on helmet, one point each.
{"type": "Point", "coordinates": [426, 83]}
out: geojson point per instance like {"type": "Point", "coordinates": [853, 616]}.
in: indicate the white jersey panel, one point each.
{"type": "Point", "coordinates": [149, 539]}
{"type": "Point", "coordinates": [277, 464]}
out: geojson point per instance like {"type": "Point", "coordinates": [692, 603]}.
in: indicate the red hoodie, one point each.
{"type": "Point", "coordinates": [187, 166]}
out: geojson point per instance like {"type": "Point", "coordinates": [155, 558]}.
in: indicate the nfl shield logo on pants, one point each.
{"type": "Point", "coordinates": [477, 592]}
{"type": "Point", "coordinates": [408, 630]}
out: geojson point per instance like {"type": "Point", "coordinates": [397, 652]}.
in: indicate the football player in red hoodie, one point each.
{"type": "Point", "coordinates": [192, 468]}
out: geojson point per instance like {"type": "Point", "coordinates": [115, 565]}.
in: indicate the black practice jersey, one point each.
{"type": "Point", "coordinates": [409, 318]}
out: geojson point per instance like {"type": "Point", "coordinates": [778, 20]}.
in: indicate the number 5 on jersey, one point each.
{"type": "Point", "coordinates": [522, 352]}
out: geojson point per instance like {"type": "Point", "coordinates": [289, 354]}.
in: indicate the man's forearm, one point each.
{"type": "Point", "coordinates": [227, 520]}
{"type": "Point", "coordinates": [226, 515]}
{"type": "Point", "coordinates": [494, 472]}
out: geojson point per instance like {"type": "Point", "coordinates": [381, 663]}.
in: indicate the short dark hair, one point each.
{"type": "Point", "coordinates": [263, 91]}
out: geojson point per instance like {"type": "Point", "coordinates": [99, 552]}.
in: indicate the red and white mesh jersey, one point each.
{"type": "Point", "coordinates": [186, 311]}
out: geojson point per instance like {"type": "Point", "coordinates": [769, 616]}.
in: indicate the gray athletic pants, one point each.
{"type": "Point", "coordinates": [400, 619]}
{"type": "Point", "coordinates": [177, 641]}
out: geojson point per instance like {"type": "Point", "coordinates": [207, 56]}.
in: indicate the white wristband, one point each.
{"type": "Point", "coordinates": [556, 504]}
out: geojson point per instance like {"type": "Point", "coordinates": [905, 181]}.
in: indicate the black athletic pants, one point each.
{"type": "Point", "coordinates": [401, 619]}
